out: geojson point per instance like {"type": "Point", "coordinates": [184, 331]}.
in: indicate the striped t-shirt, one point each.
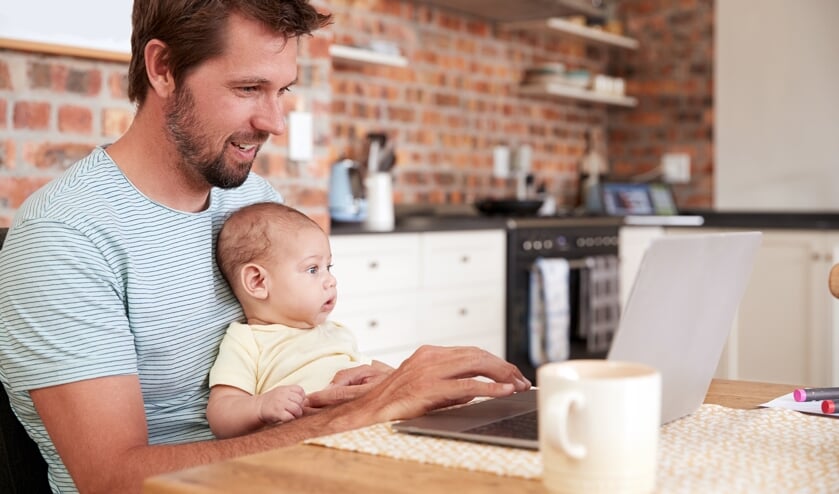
{"type": "Point", "coordinates": [98, 280]}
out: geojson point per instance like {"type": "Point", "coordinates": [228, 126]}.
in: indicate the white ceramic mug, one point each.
{"type": "Point", "coordinates": [599, 424]}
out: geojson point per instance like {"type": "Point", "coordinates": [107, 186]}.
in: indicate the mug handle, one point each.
{"type": "Point", "coordinates": [558, 437]}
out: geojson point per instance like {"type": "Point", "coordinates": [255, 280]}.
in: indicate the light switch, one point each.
{"type": "Point", "coordinates": [675, 168]}
{"type": "Point", "coordinates": [501, 162]}
{"type": "Point", "coordinates": [300, 136]}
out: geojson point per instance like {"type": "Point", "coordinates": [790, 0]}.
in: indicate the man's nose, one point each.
{"type": "Point", "coordinates": [271, 117]}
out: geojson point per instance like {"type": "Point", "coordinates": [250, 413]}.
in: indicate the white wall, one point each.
{"type": "Point", "coordinates": [777, 105]}
{"type": "Point", "coordinates": [97, 24]}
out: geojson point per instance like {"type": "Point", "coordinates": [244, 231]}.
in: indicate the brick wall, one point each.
{"type": "Point", "coordinates": [672, 75]}
{"type": "Point", "coordinates": [445, 111]}
{"type": "Point", "coordinates": [457, 99]}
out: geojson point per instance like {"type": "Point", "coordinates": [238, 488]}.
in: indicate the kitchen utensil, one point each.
{"type": "Point", "coordinates": [388, 159]}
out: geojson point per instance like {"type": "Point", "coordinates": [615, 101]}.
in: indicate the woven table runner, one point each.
{"type": "Point", "coordinates": [716, 449]}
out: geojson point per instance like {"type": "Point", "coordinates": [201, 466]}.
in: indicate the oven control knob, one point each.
{"type": "Point", "coordinates": [537, 245]}
{"type": "Point", "coordinates": [526, 245]}
{"type": "Point", "coordinates": [547, 244]}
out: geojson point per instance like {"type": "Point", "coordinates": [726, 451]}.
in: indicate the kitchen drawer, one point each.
{"type": "Point", "coordinates": [444, 313]}
{"type": "Point", "coordinates": [462, 258]}
{"type": "Point", "coordinates": [375, 263]}
{"type": "Point", "coordinates": [380, 322]}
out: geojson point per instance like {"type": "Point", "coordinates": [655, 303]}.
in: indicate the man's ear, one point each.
{"type": "Point", "coordinates": [157, 68]}
{"type": "Point", "coordinates": [254, 280]}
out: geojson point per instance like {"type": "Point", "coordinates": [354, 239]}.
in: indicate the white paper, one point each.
{"type": "Point", "coordinates": [788, 402]}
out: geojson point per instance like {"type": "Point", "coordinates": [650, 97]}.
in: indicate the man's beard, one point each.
{"type": "Point", "coordinates": [184, 128]}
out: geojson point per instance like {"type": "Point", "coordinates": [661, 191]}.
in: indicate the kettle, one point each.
{"type": "Point", "coordinates": [346, 193]}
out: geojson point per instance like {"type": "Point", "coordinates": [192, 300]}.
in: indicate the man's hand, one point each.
{"type": "Point", "coordinates": [347, 385]}
{"type": "Point", "coordinates": [435, 377]}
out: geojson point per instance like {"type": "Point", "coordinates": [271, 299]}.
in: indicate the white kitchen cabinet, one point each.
{"type": "Point", "coordinates": [785, 330]}
{"type": "Point", "coordinates": [399, 291]}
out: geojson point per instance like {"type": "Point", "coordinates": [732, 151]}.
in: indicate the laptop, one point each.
{"type": "Point", "coordinates": [677, 319]}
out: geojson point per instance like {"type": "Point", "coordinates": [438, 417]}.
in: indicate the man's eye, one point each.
{"type": "Point", "coordinates": [249, 89]}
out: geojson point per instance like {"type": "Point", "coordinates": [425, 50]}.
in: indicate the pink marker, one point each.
{"type": "Point", "coordinates": [816, 394]}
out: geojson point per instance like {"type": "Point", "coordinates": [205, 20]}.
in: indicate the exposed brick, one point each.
{"type": "Point", "coordinates": [5, 76]}
{"type": "Point", "coordinates": [115, 121]}
{"type": "Point", "coordinates": [118, 85]}
{"type": "Point", "coordinates": [55, 155]}
{"type": "Point", "coordinates": [84, 82]}
{"type": "Point", "coordinates": [7, 154]}
{"type": "Point", "coordinates": [75, 119]}
{"type": "Point", "coordinates": [15, 190]}
{"type": "Point", "coordinates": [31, 115]}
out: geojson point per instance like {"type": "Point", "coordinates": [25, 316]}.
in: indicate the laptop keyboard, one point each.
{"type": "Point", "coordinates": [522, 426]}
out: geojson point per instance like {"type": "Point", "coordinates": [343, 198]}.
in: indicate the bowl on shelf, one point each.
{"type": "Point", "coordinates": [509, 207]}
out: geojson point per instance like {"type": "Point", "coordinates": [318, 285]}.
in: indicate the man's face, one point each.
{"type": "Point", "coordinates": [228, 106]}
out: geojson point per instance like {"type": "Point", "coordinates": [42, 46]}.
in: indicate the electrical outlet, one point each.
{"type": "Point", "coordinates": [501, 162]}
{"type": "Point", "coordinates": [675, 168]}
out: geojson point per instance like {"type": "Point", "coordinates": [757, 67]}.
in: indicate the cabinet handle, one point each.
{"type": "Point", "coordinates": [373, 323]}
{"type": "Point", "coordinates": [464, 259]}
{"type": "Point", "coordinates": [815, 256]}
{"type": "Point", "coordinates": [374, 264]}
{"type": "Point", "coordinates": [463, 311]}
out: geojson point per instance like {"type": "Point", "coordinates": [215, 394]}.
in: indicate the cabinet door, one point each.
{"type": "Point", "coordinates": [462, 258]}
{"type": "Point", "coordinates": [380, 322]}
{"type": "Point", "coordinates": [447, 314]}
{"type": "Point", "coordinates": [373, 263]}
{"type": "Point", "coordinates": [782, 334]}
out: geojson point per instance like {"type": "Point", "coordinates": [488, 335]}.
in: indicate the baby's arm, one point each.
{"type": "Point", "coordinates": [233, 412]}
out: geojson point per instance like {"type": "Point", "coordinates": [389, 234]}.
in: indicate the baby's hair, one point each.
{"type": "Point", "coordinates": [245, 238]}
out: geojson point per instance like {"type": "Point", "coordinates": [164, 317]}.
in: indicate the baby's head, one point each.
{"type": "Point", "coordinates": [277, 261]}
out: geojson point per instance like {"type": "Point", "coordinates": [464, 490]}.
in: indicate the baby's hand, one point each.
{"type": "Point", "coordinates": [281, 404]}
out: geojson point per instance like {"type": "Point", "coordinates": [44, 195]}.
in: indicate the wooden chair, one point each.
{"type": "Point", "coordinates": [22, 468]}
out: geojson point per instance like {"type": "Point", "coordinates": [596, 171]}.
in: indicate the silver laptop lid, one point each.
{"type": "Point", "coordinates": [681, 310]}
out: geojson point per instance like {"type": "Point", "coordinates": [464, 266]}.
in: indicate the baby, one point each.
{"type": "Point", "coordinates": [277, 261]}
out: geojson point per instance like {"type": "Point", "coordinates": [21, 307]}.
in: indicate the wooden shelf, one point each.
{"type": "Point", "coordinates": [518, 10]}
{"type": "Point", "coordinates": [360, 55]}
{"type": "Point", "coordinates": [572, 29]}
{"type": "Point", "coordinates": [565, 91]}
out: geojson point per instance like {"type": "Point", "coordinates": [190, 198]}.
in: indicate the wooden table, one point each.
{"type": "Point", "coordinates": [316, 469]}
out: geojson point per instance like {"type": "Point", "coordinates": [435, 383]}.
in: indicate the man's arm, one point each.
{"type": "Point", "coordinates": [99, 426]}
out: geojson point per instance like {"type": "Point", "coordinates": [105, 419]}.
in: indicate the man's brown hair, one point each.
{"type": "Point", "coordinates": [193, 31]}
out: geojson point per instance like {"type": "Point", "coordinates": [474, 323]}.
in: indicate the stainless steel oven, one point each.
{"type": "Point", "coordinates": [574, 239]}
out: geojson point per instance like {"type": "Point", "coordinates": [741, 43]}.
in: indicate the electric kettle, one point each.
{"type": "Point", "coordinates": [346, 193]}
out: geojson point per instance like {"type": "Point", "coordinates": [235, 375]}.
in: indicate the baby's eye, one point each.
{"type": "Point", "coordinates": [312, 270]}
{"type": "Point", "coordinates": [329, 267]}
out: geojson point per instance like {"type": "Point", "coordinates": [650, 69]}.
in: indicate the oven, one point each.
{"type": "Point", "coordinates": [576, 239]}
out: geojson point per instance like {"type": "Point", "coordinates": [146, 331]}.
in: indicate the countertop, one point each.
{"type": "Point", "coordinates": [460, 219]}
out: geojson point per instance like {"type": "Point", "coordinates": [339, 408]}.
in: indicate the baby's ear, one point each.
{"type": "Point", "coordinates": [254, 281]}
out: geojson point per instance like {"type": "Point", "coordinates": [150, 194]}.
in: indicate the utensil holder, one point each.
{"type": "Point", "coordinates": [379, 193]}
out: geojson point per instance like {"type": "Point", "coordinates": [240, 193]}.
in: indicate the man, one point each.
{"type": "Point", "coordinates": [111, 307]}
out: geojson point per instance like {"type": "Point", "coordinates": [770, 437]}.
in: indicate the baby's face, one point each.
{"type": "Point", "coordinates": [302, 291]}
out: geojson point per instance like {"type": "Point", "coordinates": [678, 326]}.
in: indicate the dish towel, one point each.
{"type": "Point", "coordinates": [599, 304]}
{"type": "Point", "coordinates": [549, 319]}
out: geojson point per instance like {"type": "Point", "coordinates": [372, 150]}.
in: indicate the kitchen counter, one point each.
{"type": "Point", "coordinates": [460, 220]}
{"type": "Point", "coordinates": [760, 220]}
